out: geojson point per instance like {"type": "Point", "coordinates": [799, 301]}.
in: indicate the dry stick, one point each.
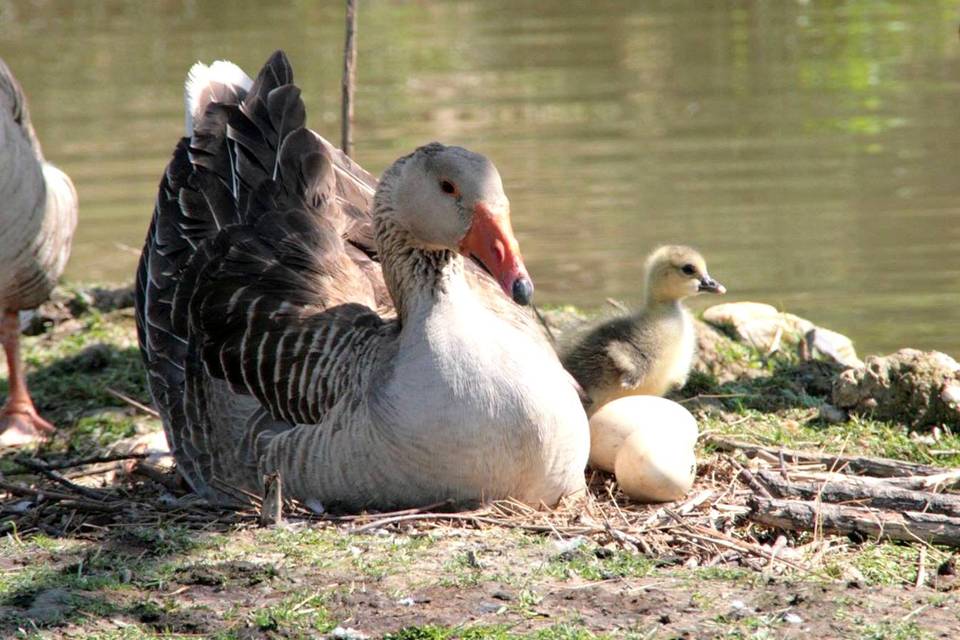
{"type": "Point", "coordinates": [63, 498]}
{"type": "Point", "coordinates": [935, 482]}
{"type": "Point", "coordinates": [386, 514]}
{"type": "Point", "coordinates": [467, 517]}
{"type": "Point", "coordinates": [150, 411]}
{"type": "Point", "coordinates": [271, 509]}
{"type": "Point", "coordinates": [722, 539]}
{"type": "Point", "coordinates": [881, 467]}
{"type": "Point", "coordinates": [349, 79]}
{"type": "Point", "coordinates": [910, 526]}
{"type": "Point", "coordinates": [879, 496]}
{"type": "Point", "coordinates": [82, 462]}
{"type": "Point", "coordinates": [59, 479]}
{"type": "Point", "coordinates": [747, 477]}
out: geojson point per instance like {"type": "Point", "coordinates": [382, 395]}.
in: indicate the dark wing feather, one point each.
{"type": "Point", "coordinates": [279, 308]}
{"type": "Point", "coordinates": [256, 270]}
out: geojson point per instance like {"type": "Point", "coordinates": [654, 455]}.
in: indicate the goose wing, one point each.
{"type": "Point", "coordinates": [277, 306]}
{"type": "Point", "coordinates": [257, 265]}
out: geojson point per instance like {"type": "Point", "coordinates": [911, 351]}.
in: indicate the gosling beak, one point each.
{"type": "Point", "coordinates": [490, 241]}
{"type": "Point", "coordinates": [709, 285]}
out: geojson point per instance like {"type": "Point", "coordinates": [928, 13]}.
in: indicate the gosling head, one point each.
{"type": "Point", "coordinates": [675, 272]}
{"type": "Point", "coordinates": [452, 198]}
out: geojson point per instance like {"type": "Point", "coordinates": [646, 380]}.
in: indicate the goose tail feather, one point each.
{"type": "Point", "coordinates": [221, 81]}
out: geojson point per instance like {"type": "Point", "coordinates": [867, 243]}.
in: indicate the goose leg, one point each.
{"type": "Point", "coordinates": [19, 422]}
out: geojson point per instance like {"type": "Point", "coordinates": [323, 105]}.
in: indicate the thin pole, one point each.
{"type": "Point", "coordinates": [349, 79]}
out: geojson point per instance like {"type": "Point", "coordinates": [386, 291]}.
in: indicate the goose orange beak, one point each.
{"type": "Point", "coordinates": [490, 241]}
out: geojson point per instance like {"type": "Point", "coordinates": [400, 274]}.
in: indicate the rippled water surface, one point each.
{"type": "Point", "coordinates": [810, 149]}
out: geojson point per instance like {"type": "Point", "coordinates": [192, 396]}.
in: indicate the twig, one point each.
{"type": "Point", "coordinates": [59, 479]}
{"type": "Point", "coordinates": [616, 304]}
{"type": "Point", "coordinates": [150, 411]}
{"type": "Point", "coordinates": [720, 538]}
{"type": "Point", "coordinates": [387, 514]}
{"type": "Point", "coordinates": [271, 509]}
{"type": "Point", "coordinates": [921, 568]}
{"type": "Point", "coordinates": [349, 79]}
{"type": "Point", "coordinates": [63, 498]}
{"type": "Point", "coordinates": [543, 323]}
{"type": "Point", "coordinates": [748, 477]}
{"type": "Point", "coordinates": [882, 467]}
{"type": "Point", "coordinates": [82, 462]}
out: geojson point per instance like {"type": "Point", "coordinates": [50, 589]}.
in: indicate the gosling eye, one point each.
{"type": "Point", "coordinates": [689, 269]}
{"type": "Point", "coordinates": [448, 187]}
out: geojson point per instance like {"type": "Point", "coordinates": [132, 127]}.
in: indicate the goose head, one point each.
{"type": "Point", "coordinates": [675, 272]}
{"type": "Point", "coordinates": [450, 198]}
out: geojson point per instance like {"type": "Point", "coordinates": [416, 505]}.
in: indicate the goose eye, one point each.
{"type": "Point", "coordinates": [448, 187]}
{"type": "Point", "coordinates": [689, 269]}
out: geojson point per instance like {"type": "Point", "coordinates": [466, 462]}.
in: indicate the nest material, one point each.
{"type": "Point", "coordinates": [761, 507]}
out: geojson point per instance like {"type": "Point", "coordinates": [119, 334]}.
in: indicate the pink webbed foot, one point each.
{"type": "Point", "coordinates": [20, 425]}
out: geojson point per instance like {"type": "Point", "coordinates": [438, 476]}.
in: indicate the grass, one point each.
{"type": "Point", "coordinates": [599, 564]}
{"type": "Point", "coordinates": [168, 577]}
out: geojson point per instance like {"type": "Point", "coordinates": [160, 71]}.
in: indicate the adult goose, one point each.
{"type": "Point", "coordinates": [38, 213]}
{"type": "Point", "coordinates": [294, 322]}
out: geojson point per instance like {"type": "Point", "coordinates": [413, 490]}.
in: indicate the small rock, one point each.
{"type": "Point", "coordinates": [948, 567]}
{"type": "Point", "coordinates": [759, 325]}
{"type": "Point", "coordinates": [503, 595]}
{"type": "Point", "coordinates": [832, 346]}
{"type": "Point", "coordinates": [720, 357]}
{"type": "Point", "coordinates": [567, 547]}
{"type": "Point", "coordinates": [50, 606]}
{"type": "Point", "coordinates": [604, 552]}
{"type": "Point", "coordinates": [21, 506]}
{"type": "Point", "coordinates": [492, 607]}
{"type": "Point", "coordinates": [347, 633]}
{"type": "Point", "coordinates": [406, 602]}
{"type": "Point", "coordinates": [472, 560]}
{"type": "Point", "coordinates": [832, 415]}
{"type": "Point", "coordinates": [951, 395]}
{"type": "Point", "coordinates": [792, 618]}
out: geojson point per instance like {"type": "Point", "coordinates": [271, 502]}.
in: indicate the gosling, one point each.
{"type": "Point", "coordinates": [650, 351]}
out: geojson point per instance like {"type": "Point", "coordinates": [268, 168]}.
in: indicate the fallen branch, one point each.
{"type": "Point", "coordinates": [935, 482]}
{"type": "Point", "coordinates": [879, 467]}
{"type": "Point", "coordinates": [909, 526]}
{"type": "Point", "coordinates": [150, 411]}
{"type": "Point", "coordinates": [59, 479]}
{"type": "Point", "coordinates": [851, 489]}
{"type": "Point", "coordinates": [745, 475]}
{"type": "Point", "coordinates": [723, 540]}
{"type": "Point", "coordinates": [70, 501]}
{"type": "Point", "coordinates": [82, 462]}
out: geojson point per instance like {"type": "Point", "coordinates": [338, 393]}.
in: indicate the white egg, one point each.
{"type": "Point", "coordinates": [653, 466]}
{"type": "Point", "coordinates": [615, 421]}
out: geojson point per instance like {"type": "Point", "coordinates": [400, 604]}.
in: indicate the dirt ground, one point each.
{"type": "Point", "coordinates": [132, 556]}
{"type": "Point", "coordinates": [301, 581]}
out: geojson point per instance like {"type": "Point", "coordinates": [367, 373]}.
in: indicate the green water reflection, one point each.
{"type": "Point", "coordinates": [810, 149]}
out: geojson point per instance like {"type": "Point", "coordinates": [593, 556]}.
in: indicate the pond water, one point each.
{"type": "Point", "coordinates": [811, 150]}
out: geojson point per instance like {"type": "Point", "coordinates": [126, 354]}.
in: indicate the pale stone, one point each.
{"type": "Point", "coordinates": [759, 325]}
{"type": "Point", "coordinates": [833, 347]}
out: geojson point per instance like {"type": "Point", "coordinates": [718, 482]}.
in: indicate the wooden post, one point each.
{"type": "Point", "coordinates": [349, 79]}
